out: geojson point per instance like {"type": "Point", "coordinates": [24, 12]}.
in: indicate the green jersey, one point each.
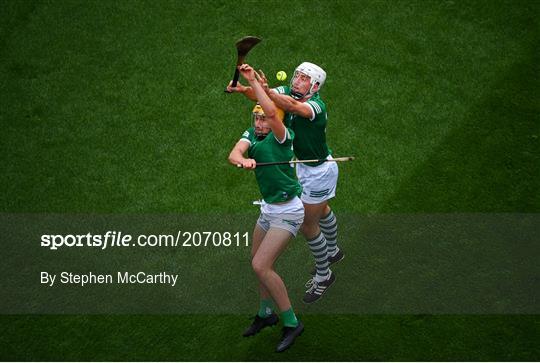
{"type": "Point", "coordinates": [310, 140]}
{"type": "Point", "coordinates": [277, 183]}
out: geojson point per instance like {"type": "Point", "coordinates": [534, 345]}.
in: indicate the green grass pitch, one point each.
{"type": "Point", "coordinates": [118, 107]}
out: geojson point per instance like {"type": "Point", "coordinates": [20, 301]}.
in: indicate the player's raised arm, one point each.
{"type": "Point", "coordinates": [266, 103]}
{"type": "Point", "coordinates": [290, 105]}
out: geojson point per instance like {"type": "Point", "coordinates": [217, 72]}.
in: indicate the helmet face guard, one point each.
{"type": "Point", "coordinates": [258, 114]}
{"type": "Point", "coordinates": [316, 74]}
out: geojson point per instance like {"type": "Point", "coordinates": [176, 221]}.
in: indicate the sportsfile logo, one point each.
{"type": "Point", "coordinates": [110, 238]}
{"type": "Point", "coordinates": [120, 239]}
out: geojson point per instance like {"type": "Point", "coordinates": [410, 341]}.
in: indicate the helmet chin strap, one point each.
{"type": "Point", "coordinates": [297, 95]}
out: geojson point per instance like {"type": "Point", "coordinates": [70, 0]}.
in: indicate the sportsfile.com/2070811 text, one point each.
{"type": "Point", "coordinates": [119, 239]}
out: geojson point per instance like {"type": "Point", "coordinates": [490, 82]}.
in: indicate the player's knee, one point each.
{"type": "Point", "coordinates": [326, 211]}
{"type": "Point", "coordinates": [311, 220]}
{"type": "Point", "coordinates": [314, 212]}
{"type": "Point", "coordinates": [310, 230]}
{"type": "Point", "coordinates": [259, 267]}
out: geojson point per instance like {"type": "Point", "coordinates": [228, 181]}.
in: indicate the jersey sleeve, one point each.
{"type": "Point", "coordinates": [318, 108]}
{"type": "Point", "coordinates": [248, 135]}
{"type": "Point", "coordinates": [282, 90]}
{"type": "Point", "coordinates": [290, 135]}
{"type": "Point", "coordinates": [286, 138]}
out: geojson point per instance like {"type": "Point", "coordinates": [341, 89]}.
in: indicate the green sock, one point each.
{"type": "Point", "coordinates": [265, 308]}
{"type": "Point", "coordinates": [289, 319]}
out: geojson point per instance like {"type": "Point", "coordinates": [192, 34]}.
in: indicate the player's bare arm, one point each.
{"type": "Point", "coordinates": [290, 105]}
{"type": "Point", "coordinates": [264, 100]}
{"type": "Point", "coordinates": [236, 157]}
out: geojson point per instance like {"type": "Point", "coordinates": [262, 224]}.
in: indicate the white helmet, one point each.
{"type": "Point", "coordinates": [316, 73]}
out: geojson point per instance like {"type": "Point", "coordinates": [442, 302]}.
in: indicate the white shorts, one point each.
{"type": "Point", "coordinates": [318, 182]}
{"type": "Point", "coordinates": [288, 216]}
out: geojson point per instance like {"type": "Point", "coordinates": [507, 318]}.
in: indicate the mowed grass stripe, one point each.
{"type": "Point", "coordinates": [218, 337]}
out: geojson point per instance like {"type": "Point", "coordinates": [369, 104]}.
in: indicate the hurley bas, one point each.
{"type": "Point", "coordinates": [91, 278]}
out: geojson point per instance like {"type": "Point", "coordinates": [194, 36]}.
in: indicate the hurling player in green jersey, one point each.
{"type": "Point", "coordinates": [307, 117]}
{"type": "Point", "coordinates": [282, 211]}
